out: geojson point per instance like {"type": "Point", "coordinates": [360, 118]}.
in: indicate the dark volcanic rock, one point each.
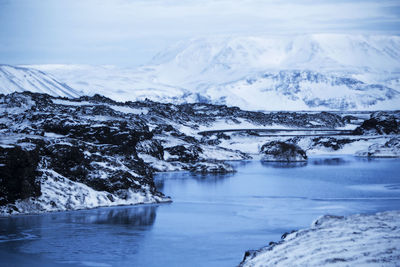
{"type": "Point", "coordinates": [212, 167]}
{"type": "Point", "coordinates": [281, 151]}
{"type": "Point", "coordinates": [152, 148]}
{"type": "Point", "coordinates": [331, 142]}
{"type": "Point", "coordinates": [18, 174]}
{"type": "Point", "coordinates": [379, 123]}
{"type": "Point", "coordinates": [67, 160]}
{"type": "Point", "coordinates": [184, 154]}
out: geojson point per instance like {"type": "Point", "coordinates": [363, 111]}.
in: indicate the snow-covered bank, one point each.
{"type": "Point", "coordinates": [61, 194]}
{"type": "Point", "coordinates": [357, 240]}
{"type": "Point", "coordinates": [390, 149]}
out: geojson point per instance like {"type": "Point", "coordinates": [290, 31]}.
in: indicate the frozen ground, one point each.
{"type": "Point", "coordinates": [357, 240]}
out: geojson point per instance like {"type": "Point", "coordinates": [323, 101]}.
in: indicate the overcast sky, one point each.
{"type": "Point", "coordinates": [130, 32]}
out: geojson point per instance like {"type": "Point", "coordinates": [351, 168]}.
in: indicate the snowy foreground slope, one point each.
{"type": "Point", "coordinates": [303, 72]}
{"type": "Point", "coordinates": [357, 240]}
{"type": "Point", "coordinates": [62, 154]}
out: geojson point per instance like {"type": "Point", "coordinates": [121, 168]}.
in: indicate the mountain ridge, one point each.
{"type": "Point", "coordinates": [302, 72]}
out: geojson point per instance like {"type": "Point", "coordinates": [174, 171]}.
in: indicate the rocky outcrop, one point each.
{"type": "Point", "coordinates": [185, 154]}
{"type": "Point", "coordinates": [332, 142]}
{"type": "Point", "coordinates": [380, 123]}
{"type": "Point", "coordinates": [60, 155]}
{"type": "Point", "coordinates": [212, 168]}
{"type": "Point", "coordinates": [281, 151]}
{"type": "Point", "coordinates": [390, 149]}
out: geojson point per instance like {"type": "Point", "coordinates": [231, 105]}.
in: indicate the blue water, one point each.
{"type": "Point", "coordinates": [213, 219]}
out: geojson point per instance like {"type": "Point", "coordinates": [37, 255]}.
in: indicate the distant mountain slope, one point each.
{"type": "Point", "coordinates": [304, 72]}
{"type": "Point", "coordinates": [19, 79]}
{"type": "Point", "coordinates": [318, 51]}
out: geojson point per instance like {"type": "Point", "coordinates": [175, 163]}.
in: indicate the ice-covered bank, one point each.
{"type": "Point", "coordinates": [357, 240]}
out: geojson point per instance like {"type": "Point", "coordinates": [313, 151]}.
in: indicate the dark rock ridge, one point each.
{"type": "Point", "coordinates": [380, 123]}
{"type": "Point", "coordinates": [332, 142]}
{"type": "Point", "coordinates": [282, 151]}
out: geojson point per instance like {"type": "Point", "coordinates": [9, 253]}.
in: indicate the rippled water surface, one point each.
{"type": "Point", "coordinates": [213, 219]}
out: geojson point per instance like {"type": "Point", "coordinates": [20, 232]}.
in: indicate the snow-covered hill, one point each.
{"type": "Point", "coordinates": [357, 240]}
{"type": "Point", "coordinates": [19, 79]}
{"type": "Point", "coordinates": [304, 72]}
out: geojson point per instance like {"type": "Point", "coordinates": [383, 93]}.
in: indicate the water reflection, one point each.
{"type": "Point", "coordinates": [199, 177]}
{"type": "Point", "coordinates": [29, 227]}
{"type": "Point", "coordinates": [329, 161]}
{"type": "Point", "coordinates": [128, 216]}
{"type": "Point", "coordinates": [20, 228]}
{"type": "Point", "coordinates": [212, 178]}
{"type": "Point", "coordinates": [285, 165]}
{"type": "Point", "coordinates": [122, 230]}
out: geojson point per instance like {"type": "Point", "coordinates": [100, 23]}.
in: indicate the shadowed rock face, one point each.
{"type": "Point", "coordinates": [281, 151]}
{"type": "Point", "coordinates": [185, 154]}
{"type": "Point", "coordinates": [331, 142]}
{"type": "Point", "coordinates": [380, 123]}
{"type": "Point", "coordinates": [18, 174]}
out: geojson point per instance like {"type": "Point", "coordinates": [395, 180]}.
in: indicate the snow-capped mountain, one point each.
{"type": "Point", "coordinates": [19, 79]}
{"type": "Point", "coordinates": [304, 72]}
{"type": "Point", "coordinates": [200, 58]}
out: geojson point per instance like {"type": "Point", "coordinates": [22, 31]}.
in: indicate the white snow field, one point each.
{"type": "Point", "coordinates": [357, 240]}
{"type": "Point", "coordinates": [301, 72]}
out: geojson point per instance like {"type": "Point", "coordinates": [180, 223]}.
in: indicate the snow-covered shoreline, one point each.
{"type": "Point", "coordinates": [356, 240]}
{"type": "Point", "coordinates": [65, 154]}
{"type": "Point", "coordinates": [61, 194]}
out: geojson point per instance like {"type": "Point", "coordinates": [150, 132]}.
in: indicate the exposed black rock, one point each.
{"type": "Point", "coordinates": [380, 123]}
{"type": "Point", "coordinates": [281, 151]}
{"type": "Point", "coordinates": [212, 168]}
{"type": "Point", "coordinates": [184, 154]}
{"type": "Point", "coordinates": [153, 148]}
{"type": "Point", "coordinates": [332, 142]}
{"type": "Point", "coordinates": [18, 174]}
